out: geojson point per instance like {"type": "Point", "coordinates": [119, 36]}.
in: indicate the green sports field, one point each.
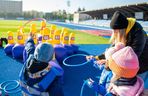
{"type": "Point", "coordinates": [81, 38]}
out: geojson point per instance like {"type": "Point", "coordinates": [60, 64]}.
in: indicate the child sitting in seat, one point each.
{"type": "Point", "coordinates": [106, 74]}
{"type": "Point", "coordinates": [36, 72]}
{"type": "Point", "coordinates": [124, 65]}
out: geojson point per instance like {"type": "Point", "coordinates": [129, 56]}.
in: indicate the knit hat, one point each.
{"type": "Point", "coordinates": [44, 52]}
{"type": "Point", "coordinates": [109, 52]}
{"type": "Point", "coordinates": [118, 21]}
{"type": "Point", "coordinates": [112, 50]}
{"type": "Point", "coordinates": [124, 63]}
{"type": "Point", "coordinates": [119, 45]}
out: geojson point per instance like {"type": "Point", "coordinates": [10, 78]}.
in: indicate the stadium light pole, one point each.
{"type": "Point", "coordinates": [68, 8]}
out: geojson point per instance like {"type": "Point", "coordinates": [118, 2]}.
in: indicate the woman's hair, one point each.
{"type": "Point", "coordinates": [119, 37]}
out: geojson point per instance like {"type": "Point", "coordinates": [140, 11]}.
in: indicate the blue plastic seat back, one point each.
{"type": "Point", "coordinates": [49, 78]}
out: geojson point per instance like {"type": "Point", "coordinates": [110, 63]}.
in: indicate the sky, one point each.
{"type": "Point", "coordinates": [54, 5]}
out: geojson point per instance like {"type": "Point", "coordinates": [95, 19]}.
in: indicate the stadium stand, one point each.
{"type": "Point", "coordinates": [129, 10]}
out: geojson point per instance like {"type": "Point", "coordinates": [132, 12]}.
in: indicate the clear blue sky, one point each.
{"type": "Point", "coordinates": [54, 5]}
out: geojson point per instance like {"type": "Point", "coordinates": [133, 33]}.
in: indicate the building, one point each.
{"type": "Point", "coordinates": [80, 17]}
{"type": "Point", "coordinates": [138, 11]}
{"type": "Point", "coordinates": [10, 6]}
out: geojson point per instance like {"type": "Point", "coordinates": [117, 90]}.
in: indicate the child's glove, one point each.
{"type": "Point", "coordinates": [95, 86]}
{"type": "Point", "coordinates": [93, 60]}
{"type": "Point", "coordinates": [99, 66]}
{"type": "Point", "coordinates": [96, 65]}
{"type": "Point", "coordinates": [89, 58]}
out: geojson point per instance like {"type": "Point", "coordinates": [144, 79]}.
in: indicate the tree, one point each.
{"type": "Point", "coordinates": [33, 14]}
{"type": "Point", "coordinates": [64, 14]}
{"type": "Point", "coordinates": [71, 17]}
{"type": "Point", "coordinates": [79, 9]}
{"type": "Point", "coordinates": [83, 9]}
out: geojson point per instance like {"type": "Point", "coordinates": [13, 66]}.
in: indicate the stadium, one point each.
{"type": "Point", "coordinates": [102, 17]}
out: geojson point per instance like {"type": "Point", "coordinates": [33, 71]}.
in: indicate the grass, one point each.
{"type": "Point", "coordinates": [84, 38]}
{"type": "Point", "coordinates": [81, 38]}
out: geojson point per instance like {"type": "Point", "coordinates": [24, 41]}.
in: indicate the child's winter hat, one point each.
{"type": "Point", "coordinates": [112, 50]}
{"type": "Point", "coordinates": [124, 63]}
{"type": "Point", "coordinates": [44, 52]}
{"type": "Point", "coordinates": [118, 21]}
{"type": "Point", "coordinates": [119, 45]}
{"type": "Point", "coordinates": [109, 52]}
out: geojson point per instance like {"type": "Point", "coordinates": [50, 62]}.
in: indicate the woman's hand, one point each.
{"type": "Point", "coordinates": [102, 61]}
{"type": "Point", "coordinates": [88, 58]}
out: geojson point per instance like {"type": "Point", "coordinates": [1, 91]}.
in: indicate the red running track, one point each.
{"type": "Point", "coordinates": [98, 32]}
